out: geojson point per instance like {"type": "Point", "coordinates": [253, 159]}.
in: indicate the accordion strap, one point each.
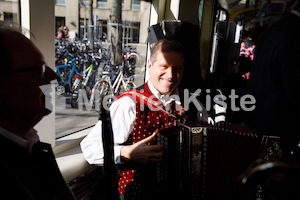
{"type": "Point", "coordinates": [151, 101]}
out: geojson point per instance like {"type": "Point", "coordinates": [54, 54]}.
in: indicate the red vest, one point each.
{"type": "Point", "coordinates": [147, 121]}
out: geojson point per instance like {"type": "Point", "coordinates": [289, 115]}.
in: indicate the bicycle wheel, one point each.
{"type": "Point", "coordinates": [100, 90]}
{"type": "Point", "coordinates": [74, 99]}
{"type": "Point", "coordinates": [130, 83]}
{"type": "Point", "coordinates": [75, 96]}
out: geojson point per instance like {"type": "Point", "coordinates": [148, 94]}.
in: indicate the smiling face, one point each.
{"type": "Point", "coordinates": [166, 70]}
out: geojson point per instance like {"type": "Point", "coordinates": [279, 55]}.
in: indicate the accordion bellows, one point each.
{"type": "Point", "coordinates": [204, 162]}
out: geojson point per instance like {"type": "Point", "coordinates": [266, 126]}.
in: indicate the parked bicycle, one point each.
{"type": "Point", "coordinates": [86, 79]}
{"type": "Point", "coordinates": [111, 86]}
{"type": "Point", "coordinates": [66, 73]}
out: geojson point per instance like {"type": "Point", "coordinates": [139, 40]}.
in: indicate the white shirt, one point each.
{"type": "Point", "coordinates": [123, 116]}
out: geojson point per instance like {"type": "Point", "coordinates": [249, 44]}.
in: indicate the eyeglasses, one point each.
{"type": "Point", "coordinates": [43, 70]}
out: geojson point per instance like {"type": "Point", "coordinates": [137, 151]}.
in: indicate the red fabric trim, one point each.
{"type": "Point", "coordinates": [147, 98]}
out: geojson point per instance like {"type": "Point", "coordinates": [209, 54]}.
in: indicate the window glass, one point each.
{"type": "Point", "coordinates": [60, 2]}
{"type": "Point", "coordinates": [9, 11]}
{"type": "Point", "coordinates": [84, 2]}
{"type": "Point", "coordinates": [102, 4]}
{"type": "Point", "coordinates": [136, 5]}
{"type": "Point", "coordinates": [91, 73]}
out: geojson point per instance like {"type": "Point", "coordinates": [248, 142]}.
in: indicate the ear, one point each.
{"type": "Point", "coordinates": [149, 65]}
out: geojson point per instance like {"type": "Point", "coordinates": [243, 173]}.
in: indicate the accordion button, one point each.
{"type": "Point", "coordinates": [276, 145]}
{"type": "Point", "coordinates": [259, 188]}
{"type": "Point", "coordinates": [266, 158]}
{"type": "Point", "coordinates": [270, 151]}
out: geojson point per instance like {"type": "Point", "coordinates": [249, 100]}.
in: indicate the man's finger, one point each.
{"type": "Point", "coordinates": [149, 139]}
{"type": "Point", "coordinates": [155, 157]}
{"type": "Point", "coordinates": [155, 148]}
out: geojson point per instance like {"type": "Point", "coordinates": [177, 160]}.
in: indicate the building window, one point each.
{"type": "Point", "coordinates": [60, 2]}
{"type": "Point", "coordinates": [131, 32]}
{"type": "Point", "coordinates": [59, 22]}
{"type": "Point", "coordinates": [7, 16]}
{"type": "Point", "coordinates": [9, 11]}
{"type": "Point", "coordinates": [136, 5]}
{"type": "Point", "coordinates": [102, 4]}
{"type": "Point", "coordinates": [84, 3]}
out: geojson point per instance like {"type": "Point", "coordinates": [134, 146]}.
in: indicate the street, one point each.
{"type": "Point", "coordinates": [70, 120]}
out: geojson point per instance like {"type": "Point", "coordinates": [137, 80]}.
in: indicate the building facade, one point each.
{"type": "Point", "coordinates": [74, 14]}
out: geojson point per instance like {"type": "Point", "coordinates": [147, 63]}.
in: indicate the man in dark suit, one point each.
{"type": "Point", "coordinates": [274, 81]}
{"type": "Point", "coordinates": [28, 167]}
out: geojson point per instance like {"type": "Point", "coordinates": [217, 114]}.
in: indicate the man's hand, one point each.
{"type": "Point", "coordinates": [142, 152]}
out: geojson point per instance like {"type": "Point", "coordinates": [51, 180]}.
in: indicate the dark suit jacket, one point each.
{"type": "Point", "coordinates": [275, 81]}
{"type": "Point", "coordinates": [30, 176]}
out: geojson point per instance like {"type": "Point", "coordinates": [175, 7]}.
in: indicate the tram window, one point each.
{"type": "Point", "coordinates": [74, 34]}
{"type": "Point", "coordinates": [72, 39]}
{"type": "Point", "coordinates": [9, 11]}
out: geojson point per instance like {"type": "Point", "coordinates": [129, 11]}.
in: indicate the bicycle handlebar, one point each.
{"type": "Point", "coordinates": [73, 59]}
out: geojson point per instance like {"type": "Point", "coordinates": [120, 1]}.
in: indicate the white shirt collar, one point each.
{"type": "Point", "coordinates": [31, 138]}
{"type": "Point", "coordinates": [164, 99]}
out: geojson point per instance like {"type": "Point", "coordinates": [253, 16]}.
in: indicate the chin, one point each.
{"type": "Point", "coordinates": [166, 90]}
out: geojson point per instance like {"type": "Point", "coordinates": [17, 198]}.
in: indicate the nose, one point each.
{"type": "Point", "coordinates": [50, 75]}
{"type": "Point", "coordinates": [170, 73]}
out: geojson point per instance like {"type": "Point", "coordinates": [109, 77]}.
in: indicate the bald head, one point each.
{"type": "Point", "coordinates": [18, 52]}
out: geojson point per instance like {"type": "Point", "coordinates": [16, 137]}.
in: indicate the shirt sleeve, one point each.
{"type": "Point", "coordinates": [122, 113]}
{"type": "Point", "coordinates": [92, 146]}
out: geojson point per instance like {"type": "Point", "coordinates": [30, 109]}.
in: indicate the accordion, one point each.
{"type": "Point", "coordinates": [203, 162]}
